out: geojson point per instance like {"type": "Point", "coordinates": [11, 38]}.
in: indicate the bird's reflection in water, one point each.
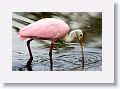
{"type": "Point", "coordinates": [29, 68]}
{"type": "Point", "coordinates": [25, 68]}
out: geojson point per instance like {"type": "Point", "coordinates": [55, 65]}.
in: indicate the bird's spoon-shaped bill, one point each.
{"type": "Point", "coordinates": [81, 44]}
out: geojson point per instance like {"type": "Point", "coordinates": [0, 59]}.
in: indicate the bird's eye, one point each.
{"type": "Point", "coordinates": [80, 34]}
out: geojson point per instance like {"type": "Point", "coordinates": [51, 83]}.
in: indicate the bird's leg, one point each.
{"type": "Point", "coordinates": [50, 54]}
{"type": "Point", "coordinates": [30, 53]}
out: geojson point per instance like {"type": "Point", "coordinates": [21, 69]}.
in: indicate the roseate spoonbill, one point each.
{"type": "Point", "coordinates": [49, 29]}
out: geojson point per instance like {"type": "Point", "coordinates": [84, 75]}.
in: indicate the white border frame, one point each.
{"type": "Point", "coordinates": [104, 76]}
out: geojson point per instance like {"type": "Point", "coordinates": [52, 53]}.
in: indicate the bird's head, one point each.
{"type": "Point", "coordinates": [79, 35]}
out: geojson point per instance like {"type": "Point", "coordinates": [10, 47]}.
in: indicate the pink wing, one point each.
{"type": "Point", "coordinates": [49, 28]}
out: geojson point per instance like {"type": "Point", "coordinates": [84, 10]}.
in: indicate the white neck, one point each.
{"type": "Point", "coordinates": [69, 37]}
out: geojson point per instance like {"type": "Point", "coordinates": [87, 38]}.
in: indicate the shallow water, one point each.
{"type": "Point", "coordinates": [62, 59]}
{"type": "Point", "coordinates": [66, 58]}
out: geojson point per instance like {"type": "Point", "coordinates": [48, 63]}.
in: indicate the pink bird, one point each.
{"type": "Point", "coordinates": [49, 29]}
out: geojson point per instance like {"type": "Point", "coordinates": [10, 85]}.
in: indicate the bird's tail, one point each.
{"type": "Point", "coordinates": [22, 37]}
